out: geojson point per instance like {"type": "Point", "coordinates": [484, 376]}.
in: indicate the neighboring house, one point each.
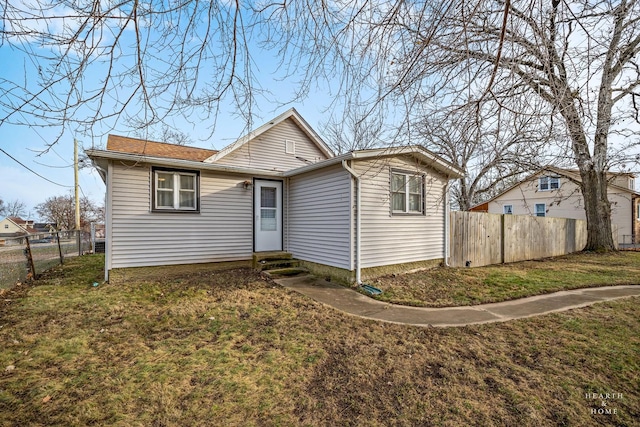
{"type": "Point", "coordinates": [280, 188]}
{"type": "Point", "coordinates": [45, 227]}
{"type": "Point", "coordinates": [555, 192]}
{"type": "Point", "coordinates": [13, 226]}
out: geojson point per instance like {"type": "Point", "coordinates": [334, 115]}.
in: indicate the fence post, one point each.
{"type": "Point", "coordinates": [59, 247]}
{"type": "Point", "coordinates": [79, 241]}
{"type": "Point", "coordinates": [92, 248]}
{"type": "Point", "coordinates": [32, 267]}
{"type": "Point", "coordinates": [502, 239]}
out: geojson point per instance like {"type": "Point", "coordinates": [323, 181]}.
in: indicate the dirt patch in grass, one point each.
{"type": "Point", "coordinates": [443, 287]}
{"type": "Point", "coordinates": [229, 348]}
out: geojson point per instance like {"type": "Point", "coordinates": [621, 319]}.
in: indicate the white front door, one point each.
{"type": "Point", "coordinates": [267, 224]}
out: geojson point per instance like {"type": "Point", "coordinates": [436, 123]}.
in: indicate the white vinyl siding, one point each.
{"type": "Point", "coordinates": [319, 217]}
{"type": "Point", "coordinates": [393, 239]}
{"type": "Point", "coordinates": [269, 150]}
{"type": "Point", "coordinates": [222, 231]}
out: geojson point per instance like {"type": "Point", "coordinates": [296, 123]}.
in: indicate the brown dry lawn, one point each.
{"type": "Point", "coordinates": [202, 347]}
{"type": "Point", "coordinates": [444, 287]}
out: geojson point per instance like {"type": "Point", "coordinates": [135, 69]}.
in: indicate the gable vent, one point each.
{"type": "Point", "coordinates": [289, 147]}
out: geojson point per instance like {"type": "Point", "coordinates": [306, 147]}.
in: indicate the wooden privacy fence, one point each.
{"type": "Point", "coordinates": [479, 239]}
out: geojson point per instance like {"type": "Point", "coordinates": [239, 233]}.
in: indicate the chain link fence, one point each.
{"type": "Point", "coordinates": [26, 257]}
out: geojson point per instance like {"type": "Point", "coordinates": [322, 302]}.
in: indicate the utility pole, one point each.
{"type": "Point", "coordinates": [77, 188]}
{"type": "Point", "coordinates": [77, 185]}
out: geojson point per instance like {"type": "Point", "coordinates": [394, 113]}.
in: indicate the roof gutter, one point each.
{"type": "Point", "coordinates": [189, 164]}
{"type": "Point", "coordinates": [358, 219]}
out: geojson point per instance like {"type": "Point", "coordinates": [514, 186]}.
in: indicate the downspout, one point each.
{"type": "Point", "coordinates": [358, 217]}
{"type": "Point", "coordinates": [446, 224]}
{"type": "Point", "coordinates": [104, 173]}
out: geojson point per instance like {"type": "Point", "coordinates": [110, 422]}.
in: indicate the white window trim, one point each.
{"type": "Point", "coordinates": [406, 210]}
{"type": "Point", "coordinates": [176, 190]}
{"type": "Point", "coordinates": [289, 146]}
{"type": "Point", "coordinates": [504, 209]}
{"type": "Point", "coordinates": [546, 180]}
{"type": "Point", "coordinates": [535, 212]}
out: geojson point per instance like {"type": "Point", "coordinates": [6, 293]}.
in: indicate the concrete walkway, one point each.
{"type": "Point", "coordinates": [352, 302]}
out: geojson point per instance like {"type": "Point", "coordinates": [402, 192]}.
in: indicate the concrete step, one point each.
{"type": "Point", "coordinates": [286, 272]}
{"type": "Point", "coordinates": [276, 264]}
{"type": "Point", "coordinates": [258, 257]}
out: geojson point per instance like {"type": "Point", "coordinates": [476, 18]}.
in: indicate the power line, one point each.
{"type": "Point", "coordinates": [32, 171]}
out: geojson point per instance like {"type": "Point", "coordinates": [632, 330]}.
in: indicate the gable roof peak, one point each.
{"type": "Point", "coordinates": [292, 114]}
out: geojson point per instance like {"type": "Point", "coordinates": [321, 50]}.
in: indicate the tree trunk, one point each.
{"type": "Point", "coordinates": [598, 211]}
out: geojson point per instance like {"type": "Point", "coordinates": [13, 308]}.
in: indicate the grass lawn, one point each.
{"type": "Point", "coordinates": [198, 347]}
{"type": "Point", "coordinates": [443, 287]}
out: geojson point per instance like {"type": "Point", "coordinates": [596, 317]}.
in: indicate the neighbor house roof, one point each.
{"type": "Point", "coordinates": [125, 144]}
{"type": "Point", "coordinates": [572, 174]}
{"type": "Point", "coordinates": [17, 220]}
{"type": "Point", "coordinates": [289, 114]}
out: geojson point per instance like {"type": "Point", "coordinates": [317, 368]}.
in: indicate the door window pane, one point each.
{"type": "Point", "coordinates": [268, 221]}
{"type": "Point", "coordinates": [268, 197]}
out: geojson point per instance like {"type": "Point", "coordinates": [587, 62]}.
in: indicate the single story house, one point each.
{"type": "Point", "coordinates": [279, 188]}
{"type": "Point", "coordinates": [556, 193]}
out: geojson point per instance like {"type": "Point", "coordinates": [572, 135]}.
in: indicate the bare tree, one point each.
{"type": "Point", "coordinates": [3, 208]}
{"type": "Point", "coordinates": [100, 62]}
{"type": "Point", "coordinates": [15, 208]}
{"type": "Point", "coordinates": [61, 210]}
{"type": "Point", "coordinates": [492, 145]}
{"type": "Point", "coordinates": [578, 58]}
{"type": "Point", "coordinates": [89, 64]}
{"type": "Point", "coordinates": [166, 134]}
{"type": "Point", "coordinates": [354, 129]}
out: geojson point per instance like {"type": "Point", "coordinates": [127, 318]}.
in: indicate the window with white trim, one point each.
{"type": "Point", "coordinates": [175, 190]}
{"type": "Point", "coordinates": [407, 191]}
{"type": "Point", "coordinates": [547, 183]}
{"type": "Point", "coordinates": [541, 209]}
{"type": "Point", "coordinates": [507, 209]}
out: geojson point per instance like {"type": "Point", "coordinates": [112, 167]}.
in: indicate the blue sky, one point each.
{"type": "Point", "coordinates": [27, 144]}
